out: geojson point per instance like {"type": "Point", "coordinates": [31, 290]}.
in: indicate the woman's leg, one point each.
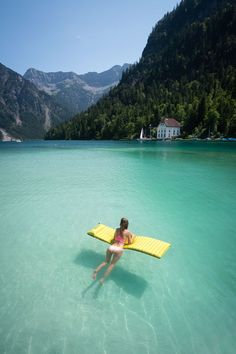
{"type": "Point", "coordinates": [103, 264]}
{"type": "Point", "coordinates": [115, 259]}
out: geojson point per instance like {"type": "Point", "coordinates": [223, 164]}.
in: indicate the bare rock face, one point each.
{"type": "Point", "coordinates": [32, 104]}
{"type": "Point", "coordinates": [25, 111]}
{"type": "Point", "coordinates": [76, 92]}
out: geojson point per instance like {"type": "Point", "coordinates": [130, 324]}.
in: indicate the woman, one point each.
{"type": "Point", "coordinates": [115, 250]}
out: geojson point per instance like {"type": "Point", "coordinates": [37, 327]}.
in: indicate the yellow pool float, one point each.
{"type": "Point", "coordinates": [148, 245]}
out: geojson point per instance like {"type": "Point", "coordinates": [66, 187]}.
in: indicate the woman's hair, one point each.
{"type": "Point", "coordinates": [124, 223]}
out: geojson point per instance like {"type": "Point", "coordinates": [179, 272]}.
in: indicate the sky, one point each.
{"type": "Point", "coordinates": [76, 35]}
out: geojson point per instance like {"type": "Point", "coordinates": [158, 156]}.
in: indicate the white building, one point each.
{"type": "Point", "coordinates": [169, 128]}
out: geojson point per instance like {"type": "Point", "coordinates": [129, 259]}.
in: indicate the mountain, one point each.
{"type": "Point", "coordinates": [187, 71]}
{"type": "Point", "coordinates": [105, 78]}
{"type": "Point", "coordinates": [76, 92]}
{"type": "Point", "coordinates": [25, 112]}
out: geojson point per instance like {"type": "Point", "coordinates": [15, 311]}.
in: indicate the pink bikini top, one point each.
{"type": "Point", "coordinates": [120, 239]}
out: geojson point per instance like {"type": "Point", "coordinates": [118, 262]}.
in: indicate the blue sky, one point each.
{"type": "Point", "coordinates": [76, 35]}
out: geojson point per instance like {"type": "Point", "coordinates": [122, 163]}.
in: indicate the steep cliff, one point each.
{"type": "Point", "coordinates": [26, 112]}
{"type": "Point", "coordinates": [76, 92]}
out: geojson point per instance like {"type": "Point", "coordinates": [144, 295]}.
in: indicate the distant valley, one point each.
{"type": "Point", "coordinates": [33, 103]}
{"type": "Point", "coordinates": [76, 92]}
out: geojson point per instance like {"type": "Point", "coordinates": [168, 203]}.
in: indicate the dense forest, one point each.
{"type": "Point", "coordinates": [187, 71]}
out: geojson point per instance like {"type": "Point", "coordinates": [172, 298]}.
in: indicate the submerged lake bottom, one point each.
{"type": "Point", "coordinates": [53, 192]}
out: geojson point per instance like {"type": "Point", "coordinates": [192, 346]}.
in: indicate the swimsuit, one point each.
{"type": "Point", "coordinates": [120, 239]}
{"type": "Point", "coordinates": [116, 249]}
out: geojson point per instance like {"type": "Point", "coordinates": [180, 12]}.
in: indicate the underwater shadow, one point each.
{"type": "Point", "coordinates": [131, 283]}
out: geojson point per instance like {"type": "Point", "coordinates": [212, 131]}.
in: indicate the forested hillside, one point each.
{"type": "Point", "coordinates": [187, 71]}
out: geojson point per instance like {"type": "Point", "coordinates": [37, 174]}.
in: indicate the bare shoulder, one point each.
{"type": "Point", "coordinates": [127, 233]}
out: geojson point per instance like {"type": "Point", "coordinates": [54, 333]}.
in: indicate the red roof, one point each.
{"type": "Point", "coordinates": [171, 122]}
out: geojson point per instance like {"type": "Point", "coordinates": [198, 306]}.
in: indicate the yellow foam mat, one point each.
{"type": "Point", "coordinates": [148, 245]}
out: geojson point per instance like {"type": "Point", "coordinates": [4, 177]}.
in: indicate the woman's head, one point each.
{"type": "Point", "coordinates": [124, 223]}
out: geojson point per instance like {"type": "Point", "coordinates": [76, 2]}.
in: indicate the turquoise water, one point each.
{"type": "Point", "coordinates": [182, 192]}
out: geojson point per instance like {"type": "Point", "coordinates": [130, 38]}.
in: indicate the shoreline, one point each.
{"type": "Point", "coordinates": [224, 140]}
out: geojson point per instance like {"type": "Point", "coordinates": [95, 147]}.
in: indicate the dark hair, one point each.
{"type": "Point", "coordinates": [124, 223]}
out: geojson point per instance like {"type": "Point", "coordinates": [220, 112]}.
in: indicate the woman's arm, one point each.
{"type": "Point", "coordinates": [130, 238]}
